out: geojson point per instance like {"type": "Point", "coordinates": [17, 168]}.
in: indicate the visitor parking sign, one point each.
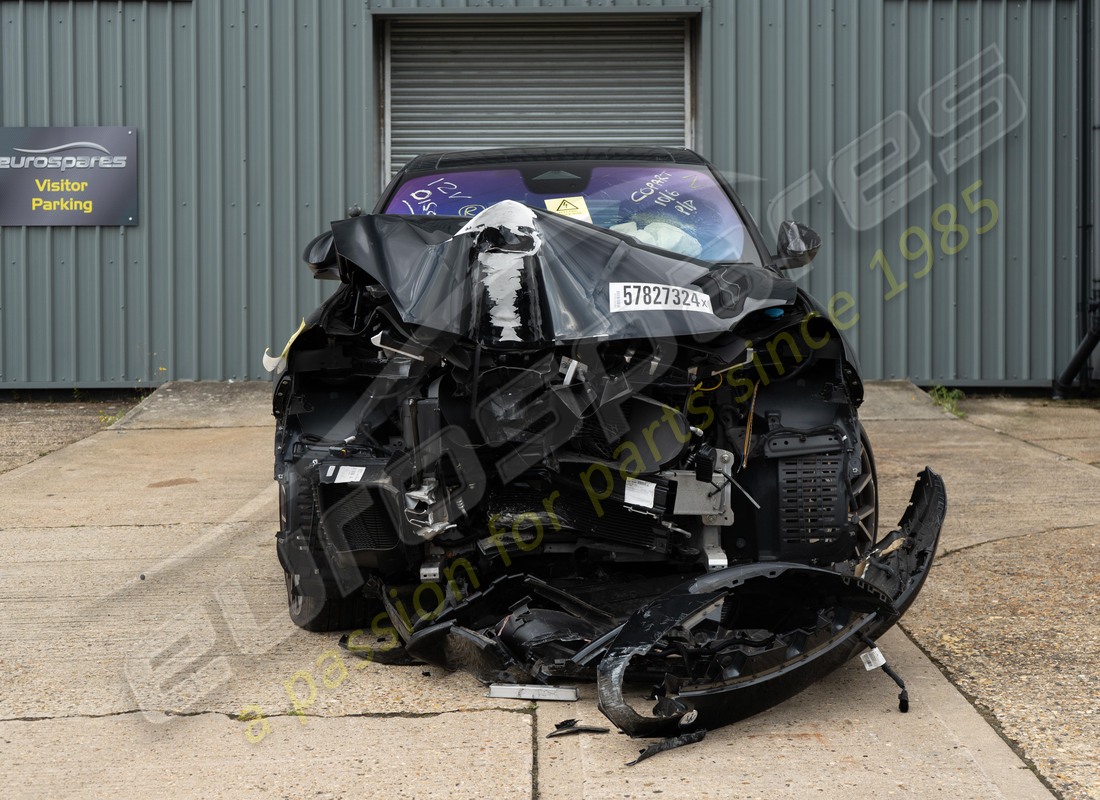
{"type": "Point", "coordinates": [68, 176]}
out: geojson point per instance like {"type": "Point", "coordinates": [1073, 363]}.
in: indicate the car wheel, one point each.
{"type": "Point", "coordinates": [312, 611]}
{"type": "Point", "coordinates": [321, 614]}
{"type": "Point", "coordinates": [865, 498]}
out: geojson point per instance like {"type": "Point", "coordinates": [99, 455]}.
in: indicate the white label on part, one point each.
{"type": "Point", "coordinates": [640, 493]}
{"type": "Point", "coordinates": [656, 297]}
{"type": "Point", "coordinates": [873, 658]}
{"type": "Point", "coordinates": [331, 470]}
{"type": "Point", "coordinates": [349, 474]}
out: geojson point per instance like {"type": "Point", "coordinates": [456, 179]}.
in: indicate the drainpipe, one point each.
{"type": "Point", "coordinates": [1079, 363]}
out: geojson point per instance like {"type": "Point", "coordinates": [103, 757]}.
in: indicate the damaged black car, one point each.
{"type": "Point", "coordinates": [566, 417]}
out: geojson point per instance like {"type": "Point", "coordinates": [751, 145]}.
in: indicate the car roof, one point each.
{"type": "Point", "coordinates": [519, 155]}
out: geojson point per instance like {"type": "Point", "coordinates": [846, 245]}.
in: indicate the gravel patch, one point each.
{"type": "Point", "coordinates": [34, 423]}
{"type": "Point", "coordinates": [1014, 626]}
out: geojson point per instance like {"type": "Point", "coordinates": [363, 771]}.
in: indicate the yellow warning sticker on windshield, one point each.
{"type": "Point", "coordinates": [570, 207]}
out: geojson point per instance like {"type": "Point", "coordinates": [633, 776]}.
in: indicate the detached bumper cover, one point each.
{"type": "Point", "coordinates": [718, 648]}
{"type": "Point", "coordinates": [744, 678]}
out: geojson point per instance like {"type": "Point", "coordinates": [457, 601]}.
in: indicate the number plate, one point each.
{"type": "Point", "coordinates": [656, 297]}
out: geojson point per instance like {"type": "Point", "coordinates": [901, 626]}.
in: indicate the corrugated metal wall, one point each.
{"type": "Point", "coordinates": [1093, 125]}
{"type": "Point", "coordinates": [254, 133]}
{"type": "Point", "coordinates": [258, 122]}
{"type": "Point", "coordinates": [804, 80]}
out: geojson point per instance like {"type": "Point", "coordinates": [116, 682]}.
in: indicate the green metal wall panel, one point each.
{"type": "Point", "coordinates": [255, 129]}
{"type": "Point", "coordinates": [792, 89]}
{"type": "Point", "coordinates": [258, 122]}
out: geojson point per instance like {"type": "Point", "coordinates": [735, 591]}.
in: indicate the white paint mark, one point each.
{"type": "Point", "coordinates": [502, 267]}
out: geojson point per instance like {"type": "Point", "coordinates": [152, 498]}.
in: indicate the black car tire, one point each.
{"type": "Point", "coordinates": [321, 614]}
{"type": "Point", "coordinates": [312, 612]}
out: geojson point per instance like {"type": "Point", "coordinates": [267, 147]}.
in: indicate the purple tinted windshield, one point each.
{"type": "Point", "coordinates": [679, 209]}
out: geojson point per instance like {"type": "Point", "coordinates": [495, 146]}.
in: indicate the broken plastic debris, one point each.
{"type": "Point", "coordinates": [571, 726]}
{"type": "Point", "coordinates": [530, 691]}
{"type": "Point", "coordinates": [278, 364]}
{"type": "Point", "coordinates": [671, 743]}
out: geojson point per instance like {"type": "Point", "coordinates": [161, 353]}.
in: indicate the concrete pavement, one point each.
{"type": "Point", "coordinates": [1010, 611]}
{"type": "Point", "coordinates": [148, 650]}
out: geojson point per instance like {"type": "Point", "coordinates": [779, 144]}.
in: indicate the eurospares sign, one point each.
{"type": "Point", "coordinates": [68, 176]}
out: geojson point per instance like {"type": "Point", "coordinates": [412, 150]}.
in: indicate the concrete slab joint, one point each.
{"type": "Point", "coordinates": [148, 649]}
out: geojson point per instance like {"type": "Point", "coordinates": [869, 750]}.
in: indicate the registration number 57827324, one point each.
{"type": "Point", "coordinates": [656, 297]}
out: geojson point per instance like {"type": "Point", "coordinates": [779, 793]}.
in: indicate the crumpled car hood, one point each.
{"type": "Point", "coordinates": [516, 274]}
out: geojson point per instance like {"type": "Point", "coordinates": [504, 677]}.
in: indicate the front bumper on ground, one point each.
{"type": "Point", "coordinates": [720, 647]}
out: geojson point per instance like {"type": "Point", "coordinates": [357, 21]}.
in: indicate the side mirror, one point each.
{"type": "Point", "coordinates": [320, 254]}
{"type": "Point", "coordinates": [797, 245]}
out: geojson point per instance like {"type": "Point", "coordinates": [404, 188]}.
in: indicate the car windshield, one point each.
{"type": "Point", "coordinates": [676, 208]}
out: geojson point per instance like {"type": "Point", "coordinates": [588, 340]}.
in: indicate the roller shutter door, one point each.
{"type": "Point", "coordinates": [459, 83]}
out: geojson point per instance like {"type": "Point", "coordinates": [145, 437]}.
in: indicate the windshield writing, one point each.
{"type": "Point", "coordinates": [679, 209]}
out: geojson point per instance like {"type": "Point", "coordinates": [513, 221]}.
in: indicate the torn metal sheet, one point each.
{"type": "Point", "coordinates": [565, 418]}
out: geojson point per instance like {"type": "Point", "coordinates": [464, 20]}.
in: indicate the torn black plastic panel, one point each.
{"type": "Point", "coordinates": [734, 676]}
